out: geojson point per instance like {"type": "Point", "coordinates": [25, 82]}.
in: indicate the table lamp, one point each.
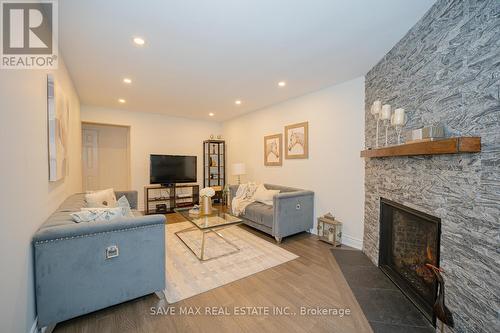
{"type": "Point", "coordinates": [238, 170]}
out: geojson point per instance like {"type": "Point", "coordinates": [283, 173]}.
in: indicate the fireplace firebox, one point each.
{"type": "Point", "coordinates": [409, 239]}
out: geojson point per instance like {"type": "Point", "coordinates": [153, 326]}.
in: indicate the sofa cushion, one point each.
{"type": "Point", "coordinates": [73, 203]}
{"type": "Point", "coordinates": [260, 213]}
{"type": "Point", "coordinates": [56, 219]}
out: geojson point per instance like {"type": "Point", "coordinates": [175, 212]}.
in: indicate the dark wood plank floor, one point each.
{"type": "Point", "coordinates": [314, 280]}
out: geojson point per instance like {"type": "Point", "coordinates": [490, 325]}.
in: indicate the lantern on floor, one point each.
{"type": "Point", "coordinates": [330, 230]}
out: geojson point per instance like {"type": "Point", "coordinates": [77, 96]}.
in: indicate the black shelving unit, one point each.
{"type": "Point", "coordinates": [172, 196]}
{"type": "Point", "coordinates": [214, 166]}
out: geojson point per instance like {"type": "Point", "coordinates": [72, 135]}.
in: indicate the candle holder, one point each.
{"type": "Point", "coordinates": [387, 123]}
{"type": "Point", "coordinates": [398, 120]}
{"type": "Point", "coordinates": [399, 129]}
{"type": "Point", "coordinates": [386, 116]}
{"type": "Point", "coordinates": [376, 112]}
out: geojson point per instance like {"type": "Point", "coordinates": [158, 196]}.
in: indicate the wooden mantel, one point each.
{"type": "Point", "coordinates": [455, 145]}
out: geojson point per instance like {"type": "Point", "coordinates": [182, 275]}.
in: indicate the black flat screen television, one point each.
{"type": "Point", "coordinates": [171, 169]}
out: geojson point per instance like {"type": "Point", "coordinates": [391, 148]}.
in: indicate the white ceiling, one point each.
{"type": "Point", "coordinates": [202, 55]}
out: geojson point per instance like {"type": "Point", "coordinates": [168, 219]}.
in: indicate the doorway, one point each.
{"type": "Point", "coordinates": [105, 156]}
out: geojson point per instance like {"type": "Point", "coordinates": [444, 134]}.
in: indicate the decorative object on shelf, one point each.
{"type": "Point", "coordinates": [376, 111]}
{"type": "Point", "coordinates": [385, 116]}
{"type": "Point", "coordinates": [195, 210]}
{"type": "Point", "coordinates": [238, 169]}
{"type": "Point", "coordinates": [219, 137]}
{"type": "Point", "coordinates": [297, 140]}
{"type": "Point", "coordinates": [161, 208]}
{"type": "Point", "coordinates": [330, 230]}
{"type": "Point", "coordinates": [428, 133]}
{"type": "Point", "coordinates": [273, 147]}
{"type": "Point", "coordinates": [214, 166]}
{"type": "Point", "coordinates": [212, 136]}
{"type": "Point", "coordinates": [206, 195]}
{"type": "Point", "coordinates": [58, 127]}
{"type": "Point", "coordinates": [398, 121]}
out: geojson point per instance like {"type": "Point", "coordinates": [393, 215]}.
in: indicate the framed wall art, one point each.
{"type": "Point", "coordinates": [58, 126]}
{"type": "Point", "coordinates": [273, 148]}
{"type": "Point", "coordinates": [297, 141]}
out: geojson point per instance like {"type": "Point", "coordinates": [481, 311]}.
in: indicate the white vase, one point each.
{"type": "Point", "coordinates": [206, 205]}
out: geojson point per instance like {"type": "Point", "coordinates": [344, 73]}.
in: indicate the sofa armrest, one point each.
{"type": "Point", "coordinates": [83, 229]}
{"type": "Point", "coordinates": [130, 195]}
{"type": "Point", "coordinates": [294, 194]}
{"type": "Point", "coordinates": [74, 274]}
{"type": "Point", "coordinates": [293, 212]}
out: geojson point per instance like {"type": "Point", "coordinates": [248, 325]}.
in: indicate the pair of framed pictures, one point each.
{"type": "Point", "coordinates": [296, 144]}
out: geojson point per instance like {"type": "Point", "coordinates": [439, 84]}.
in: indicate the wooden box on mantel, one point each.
{"type": "Point", "coordinates": [330, 231]}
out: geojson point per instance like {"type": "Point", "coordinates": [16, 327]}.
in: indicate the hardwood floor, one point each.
{"type": "Point", "coordinates": [314, 280]}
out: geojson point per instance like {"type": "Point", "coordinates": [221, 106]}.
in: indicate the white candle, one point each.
{"type": "Point", "coordinates": [399, 116]}
{"type": "Point", "coordinates": [377, 105]}
{"type": "Point", "coordinates": [386, 112]}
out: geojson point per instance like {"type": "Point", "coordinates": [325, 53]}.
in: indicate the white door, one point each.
{"type": "Point", "coordinates": [90, 159]}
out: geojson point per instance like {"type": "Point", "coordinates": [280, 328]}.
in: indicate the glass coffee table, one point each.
{"type": "Point", "coordinates": [213, 223]}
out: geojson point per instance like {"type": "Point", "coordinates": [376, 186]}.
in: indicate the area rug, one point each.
{"type": "Point", "coordinates": [186, 276]}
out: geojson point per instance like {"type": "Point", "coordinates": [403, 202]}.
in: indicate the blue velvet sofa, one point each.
{"type": "Point", "coordinates": [84, 267]}
{"type": "Point", "coordinates": [292, 212]}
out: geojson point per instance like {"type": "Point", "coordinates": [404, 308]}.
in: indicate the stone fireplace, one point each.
{"type": "Point", "coordinates": [409, 239]}
{"type": "Point", "coordinates": [445, 71]}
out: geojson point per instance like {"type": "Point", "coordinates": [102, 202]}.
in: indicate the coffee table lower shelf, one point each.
{"type": "Point", "coordinates": [214, 230]}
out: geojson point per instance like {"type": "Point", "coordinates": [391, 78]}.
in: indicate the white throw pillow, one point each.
{"type": "Point", "coordinates": [97, 214]}
{"type": "Point", "coordinates": [104, 198]}
{"type": "Point", "coordinates": [264, 195]}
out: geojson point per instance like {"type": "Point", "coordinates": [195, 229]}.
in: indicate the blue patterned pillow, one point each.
{"type": "Point", "coordinates": [125, 206]}
{"type": "Point", "coordinates": [97, 214]}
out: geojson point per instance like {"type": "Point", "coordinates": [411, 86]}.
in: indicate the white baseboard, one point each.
{"type": "Point", "coordinates": [346, 240]}
{"type": "Point", "coordinates": [352, 241]}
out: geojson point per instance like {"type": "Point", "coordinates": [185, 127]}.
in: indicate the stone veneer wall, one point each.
{"type": "Point", "coordinates": [447, 70]}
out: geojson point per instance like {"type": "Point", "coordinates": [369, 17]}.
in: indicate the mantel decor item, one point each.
{"type": "Point", "coordinates": [330, 230]}
{"type": "Point", "coordinates": [273, 148]}
{"type": "Point", "coordinates": [398, 121]}
{"type": "Point", "coordinates": [206, 195]}
{"type": "Point", "coordinates": [428, 133]}
{"type": "Point", "coordinates": [375, 111]}
{"type": "Point", "coordinates": [386, 115]}
{"type": "Point", "coordinates": [296, 141]}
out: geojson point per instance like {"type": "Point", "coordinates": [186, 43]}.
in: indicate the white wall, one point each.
{"type": "Point", "coordinates": [334, 170]}
{"type": "Point", "coordinates": [26, 196]}
{"type": "Point", "coordinates": [152, 133]}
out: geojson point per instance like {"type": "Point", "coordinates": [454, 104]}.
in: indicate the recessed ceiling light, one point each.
{"type": "Point", "coordinates": [282, 83]}
{"type": "Point", "coordinates": [127, 80]}
{"type": "Point", "coordinates": [211, 114]}
{"type": "Point", "coordinates": [121, 100]}
{"type": "Point", "coordinates": [139, 41]}
{"type": "Point", "coordinates": [237, 102]}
